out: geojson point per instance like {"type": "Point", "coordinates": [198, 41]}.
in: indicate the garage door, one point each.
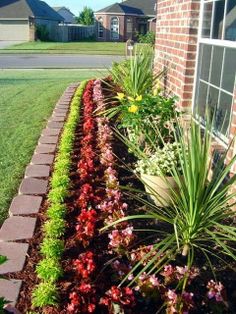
{"type": "Point", "coordinates": [14, 30]}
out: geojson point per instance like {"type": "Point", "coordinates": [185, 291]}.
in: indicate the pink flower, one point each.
{"type": "Point", "coordinates": [154, 281]}
{"type": "Point", "coordinates": [171, 296]}
{"type": "Point", "coordinates": [215, 290]}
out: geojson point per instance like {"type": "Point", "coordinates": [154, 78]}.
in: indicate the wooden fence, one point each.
{"type": "Point", "coordinates": [74, 32]}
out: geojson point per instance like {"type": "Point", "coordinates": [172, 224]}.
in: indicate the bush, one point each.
{"type": "Point", "coordinates": [42, 33]}
{"type": "Point", "coordinates": [45, 294]}
{"type": "Point", "coordinates": [54, 228]}
{"type": "Point", "coordinates": [49, 269]}
{"type": "Point", "coordinates": [52, 248]}
{"type": "Point", "coordinates": [148, 38]}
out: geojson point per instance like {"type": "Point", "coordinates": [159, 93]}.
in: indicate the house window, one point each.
{"type": "Point", "coordinates": [100, 28]}
{"type": "Point", "coordinates": [115, 28]}
{"type": "Point", "coordinates": [215, 81]}
{"type": "Point", "coordinates": [129, 28]}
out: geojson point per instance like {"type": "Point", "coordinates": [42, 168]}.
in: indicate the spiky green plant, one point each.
{"type": "Point", "coordinates": [54, 228]}
{"type": "Point", "coordinates": [52, 248]}
{"type": "Point", "coordinates": [200, 217]}
{"type": "Point", "coordinates": [56, 211]}
{"type": "Point", "coordinates": [49, 269]}
{"type": "Point", "coordinates": [136, 74]}
{"type": "Point", "coordinates": [45, 294]}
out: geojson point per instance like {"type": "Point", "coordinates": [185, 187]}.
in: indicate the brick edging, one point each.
{"type": "Point", "coordinates": [31, 193]}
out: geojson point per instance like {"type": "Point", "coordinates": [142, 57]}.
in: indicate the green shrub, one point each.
{"type": "Point", "coordinates": [45, 294]}
{"type": "Point", "coordinates": [49, 269]}
{"type": "Point", "coordinates": [42, 33]}
{"type": "Point", "coordinates": [60, 179]}
{"type": "Point", "coordinates": [148, 38]}
{"type": "Point", "coordinates": [62, 166]}
{"type": "Point", "coordinates": [54, 228]}
{"type": "Point", "coordinates": [58, 195]}
{"type": "Point", "coordinates": [137, 116]}
{"type": "Point", "coordinates": [56, 211]}
{"type": "Point", "coordinates": [52, 248]}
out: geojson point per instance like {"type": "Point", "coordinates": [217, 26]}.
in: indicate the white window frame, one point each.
{"type": "Point", "coordinates": [213, 42]}
{"type": "Point", "coordinates": [118, 30]}
{"type": "Point", "coordinates": [100, 27]}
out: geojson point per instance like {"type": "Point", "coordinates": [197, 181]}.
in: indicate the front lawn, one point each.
{"type": "Point", "coordinates": [91, 48]}
{"type": "Point", "coordinates": [26, 102]}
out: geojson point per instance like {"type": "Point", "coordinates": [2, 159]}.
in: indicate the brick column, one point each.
{"type": "Point", "coordinates": [176, 46]}
{"type": "Point", "coordinates": [232, 133]}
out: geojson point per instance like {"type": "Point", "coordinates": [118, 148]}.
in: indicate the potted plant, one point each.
{"type": "Point", "coordinates": [155, 171]}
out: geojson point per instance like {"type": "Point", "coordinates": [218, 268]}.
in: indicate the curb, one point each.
{"type": "Point", "coordinates": [32, 191]}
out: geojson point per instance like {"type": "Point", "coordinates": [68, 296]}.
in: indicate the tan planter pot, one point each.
{"type": "Point", "coordinates": [161, 186]}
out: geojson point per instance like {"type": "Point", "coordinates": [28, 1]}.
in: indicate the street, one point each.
{"type": "Point", "coordinates": [42, 61]}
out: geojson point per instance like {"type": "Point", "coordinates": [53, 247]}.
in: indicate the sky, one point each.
{"type": "Point", "coordinates": [77, 5]}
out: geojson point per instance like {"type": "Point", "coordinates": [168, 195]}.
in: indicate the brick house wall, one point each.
{"type": "Point", "coordinates": [124, 35]}
{"type": "Point", "coordinates": [176, 51]}
{"type": "Point", "coordinates": [176, 46]}
{"type": "Point", "coordinates": [152, 26]}
{"type": "Point", "coordinates": [232, 133]}
{"type": "Point", "coordinates": [107, 25]}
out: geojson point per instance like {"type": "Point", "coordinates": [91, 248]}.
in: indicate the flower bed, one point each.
{"type": "Point", "coordinates": [84, 270]}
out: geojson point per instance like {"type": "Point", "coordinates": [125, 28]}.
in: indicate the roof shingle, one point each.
{"type": "Point", "coordinates": [22, 9]}
{"type": "Point", "coordinates": [137, 7]}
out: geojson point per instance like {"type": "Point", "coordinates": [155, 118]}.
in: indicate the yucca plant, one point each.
{"type": "Point", "coordinates": [135, 78]}
{"type": "Point", "coordinates": [136, 74]}
{"type": "Point", "coordinates": [200, 217]}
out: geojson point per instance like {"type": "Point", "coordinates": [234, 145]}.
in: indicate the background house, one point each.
{"type": "Point", "coordinates": [69, 17]}
{"type": "Point", "coordinates": [198, 50]}
{"type": "Point", "coordinates": [20, 18]}
{"type": "Point", "coordinates": [121, 21]}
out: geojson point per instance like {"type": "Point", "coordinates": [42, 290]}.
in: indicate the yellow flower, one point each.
{"type": "Point", "coordinates": [133, 109]}
{"type": "Point", "coordinates": [120, 96]}
{"type": "Point", "coordinates": [157, 88]}
{"type": "Point", "coordinates": [131, 98]}
{"type": "Point", "coordinates": [155, 92]}
{"type": "Point", "coordinates": [139, 98]}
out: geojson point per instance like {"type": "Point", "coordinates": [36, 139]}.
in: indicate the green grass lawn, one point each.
{"type": "Point", "coordinates": [91, 48]}
{"type": "Point", "coordinates": [27, 99]}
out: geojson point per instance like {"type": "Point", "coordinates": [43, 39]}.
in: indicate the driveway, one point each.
{"type": "Point", "coordinates": [32, 61]}
{"type": "Point", "coordinates": [6, 44]}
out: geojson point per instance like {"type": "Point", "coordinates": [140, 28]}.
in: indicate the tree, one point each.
{"type": "Point", "coordinates": [86, 17]}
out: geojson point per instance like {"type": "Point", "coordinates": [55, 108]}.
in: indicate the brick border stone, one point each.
{"type": "Point", "coordinates": [10, 290]}
{"type": "Point", "coordinates": [25, 205]}
{"type": "Point", "coordinates": [16, 254]}
{"type": "Point", "coordinates": [32, 191]}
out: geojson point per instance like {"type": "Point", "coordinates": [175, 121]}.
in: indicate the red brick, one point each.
{"type": "Point", "coordinates": [176, 45]}
{"type": "Point", "coordinates": [17, 228]}
{"type": "Point", "coordinates": [25, 205]}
